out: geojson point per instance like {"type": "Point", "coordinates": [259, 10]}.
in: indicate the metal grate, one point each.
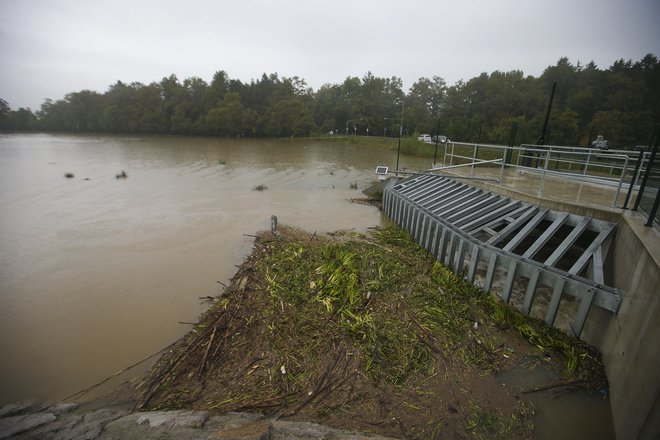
{"type": "Point", "coordinates": [466, 227]}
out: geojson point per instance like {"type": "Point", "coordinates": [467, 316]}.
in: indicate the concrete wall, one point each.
{"type": "Point", "coordinates": [630, 340]}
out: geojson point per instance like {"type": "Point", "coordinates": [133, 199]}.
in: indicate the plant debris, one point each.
{"type": "Point", "coordinates": [366, 332]}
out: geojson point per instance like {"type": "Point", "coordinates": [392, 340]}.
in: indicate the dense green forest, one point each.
{"type": "Point", "coordinates": [622, 103]}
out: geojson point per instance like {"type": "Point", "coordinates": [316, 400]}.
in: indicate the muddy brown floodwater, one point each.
{"type": "Point", "coordinates": [96, 272]}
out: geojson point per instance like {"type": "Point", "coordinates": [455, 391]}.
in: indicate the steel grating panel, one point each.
{"type": "Point", "coordinates": [465, 227]}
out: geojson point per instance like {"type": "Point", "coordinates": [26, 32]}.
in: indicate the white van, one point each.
{"type": "Point", "coordinates": [425, 138]}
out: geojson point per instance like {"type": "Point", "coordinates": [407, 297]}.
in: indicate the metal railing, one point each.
{"type": "Point", "coordinates": [612, 168]}
{"type": "Point", "coordinates": [648, 196]}
{"type": "Point", "coordinates": [420, 205]}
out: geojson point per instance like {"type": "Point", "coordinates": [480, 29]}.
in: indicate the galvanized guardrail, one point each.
{"type": "Point", "coordinates": [606, 167]}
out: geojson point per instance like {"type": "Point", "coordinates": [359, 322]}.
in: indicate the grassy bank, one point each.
{"type": "Point", "coordinates": [409, 145]}
{"type": "Point", "coordinates": [364, 331]}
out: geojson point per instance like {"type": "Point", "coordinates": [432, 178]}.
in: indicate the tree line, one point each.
{"type": "Point", "coordinates": [622, 103]}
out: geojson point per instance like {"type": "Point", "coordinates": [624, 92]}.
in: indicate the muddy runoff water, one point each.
{"type": "Point", "coordinates": [98, 271]}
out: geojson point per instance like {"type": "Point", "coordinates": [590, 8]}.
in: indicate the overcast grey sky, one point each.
{"type": "Point", "coordinates": [52, 47]}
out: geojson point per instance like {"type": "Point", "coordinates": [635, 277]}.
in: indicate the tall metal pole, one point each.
{"type": "Point", "coordinates": [544, 134]}
{"type": "Point", "coordinates": [398, 150]}
{"type": "Point", "coordinates": [437, 138]}
{"type": "Point", "coordinates": [512, 141]}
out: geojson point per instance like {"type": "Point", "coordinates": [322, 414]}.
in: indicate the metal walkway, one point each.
{"type": "Point", "coordinates": [468, 228]}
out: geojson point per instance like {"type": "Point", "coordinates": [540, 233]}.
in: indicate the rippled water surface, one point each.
{"type": "Point", "coordinates": [97, 272]}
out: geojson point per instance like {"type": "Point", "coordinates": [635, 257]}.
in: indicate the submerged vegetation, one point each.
{"type": "Point", "coordinates": [363, 331]}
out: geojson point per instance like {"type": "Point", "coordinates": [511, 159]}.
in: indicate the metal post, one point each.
{"type": "Point", "coordinates": [475, 152]}
{"type": "Point", "coordinates": [618, 189]}
{"type": "Point", "coordinates": [512, 141]}
{"type": "Point", "coordinates": [647, 173]}
{"type": "Point", "coordinates": [273, 225]}
{"type": "Point", "coordinates": [503, 164]}
{"type": "Point", "coordinates": [545, 170]}
{"type": "Point", "coordinates": [654, 210]}
{"type": "Point", "coordinates": [544, 133]}
{"type": "Point", "coordinates": [398, 150]}
{"type": "Point", "coordinates": [656, 203]}
{"type": "Point", "coordinates": [640, 159]}
{"type": "Point", "coordinates": [586, 164]}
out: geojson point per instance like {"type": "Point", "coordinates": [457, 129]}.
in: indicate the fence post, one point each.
{"type": "Point", "coordinates": [646, 174]}
{"type": "Point", "coordinates": [545, 170]}
{"type": "Point", "coordinates": [654, 210]}
{"type": "Point", "coordinates": [656, 203]}
{"type": "Point", "coordinates": [640, 158]}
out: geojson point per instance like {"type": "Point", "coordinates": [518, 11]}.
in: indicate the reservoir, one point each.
{"type": "Point", "coordinates": [99, 271]}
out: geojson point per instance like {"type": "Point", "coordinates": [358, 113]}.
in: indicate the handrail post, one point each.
{"type": "Point", "coordinates": [475, 151]}
{"type": "Point", "coordinates": [545, 170]}
{"type": "Point", "coordinates": [654, 210]}
{"type": "Point", "coordinates": [646, 173]}
{"type": "Point", "coordinates": [640, 159]}
{"type": "Point", "coordinates": [586, 164]}
{"type": "Point", "coordinates": [504, 157]}
{"type": "Point", "coordinates": [618, 189]}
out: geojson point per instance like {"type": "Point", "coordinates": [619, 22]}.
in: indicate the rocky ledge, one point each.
{"type": "Point", "coordinates": [68, 421]}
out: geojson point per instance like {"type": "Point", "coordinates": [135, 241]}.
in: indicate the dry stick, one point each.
{"type": "Point", "coordinates": [254, 360]}
{"type": "Point", "coordinates": [224, 338]}
{"type": "Point", "coordinates": [156, 381]}
{"type": "Point", "coordinates": [263, 403]}
{"type": "Point", "coordinates": [331, 387]}
{"type": "Point", "coordinates": [429, 335]}
{"type": "Point", "coordinates": [90, 388]}
{"type": "Point", "coordinates": [206, 353]}
{"type": "Point", "coordinates": [567, 383]}
{"type": "Point", "coordinates": [319, 385]}
{"type": "Point", "coordinates": [234, 309]}
{"type": "Point", "coordinates": [153, 385]}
